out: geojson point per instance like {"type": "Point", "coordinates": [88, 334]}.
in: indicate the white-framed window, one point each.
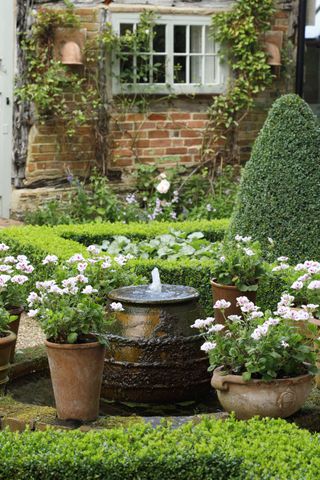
{"type": "Point", "coordinates": [313, 19]}
{"type": "Point", "coordinates": [182, 57]}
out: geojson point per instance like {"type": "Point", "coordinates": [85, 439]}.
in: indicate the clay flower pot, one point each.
{"type": "Point", "coordinates": [76, 374]}
{"type": "Point", "coordinates": [229, 293]}
{"type": "Point", "coordinates": [6, 345]}
{"type": "Point", "coordinates": [276, 398]}
{"type": "Point", "coordinates": [14, 327]}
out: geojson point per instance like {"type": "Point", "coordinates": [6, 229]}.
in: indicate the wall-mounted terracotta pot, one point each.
{"type": "Point", "coordinates": [76, 374]}
{"type": "Point", "coordinates": [229, 293]}
{"type": "Point", "coordinates": [277, 398]}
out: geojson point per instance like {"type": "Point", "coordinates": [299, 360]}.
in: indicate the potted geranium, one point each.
{"type": "Point", "coordinates": [14, 283]}
{"type": "Point", "coordinates": [262, 365]}
{"type": "Point", "coordinates": [74, 324]}
{"type": "Point", "coordinates": [7, 340]}
{"type": "Point", "coordinates": [238, 266]}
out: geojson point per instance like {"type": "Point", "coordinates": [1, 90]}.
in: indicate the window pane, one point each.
{"type": "Point", "coordinates": [180, 69]}
{"type": "Point", "coordinates": [195, 69]}
{"type": "Point", "coordinates": [195, 39]}
{"type": "Point", "coordinates": [143, 69]}
{"type": "Point", "coordinates": [159, 69]}
{"type": "Point", "coordinates": [159, 38]}
{"type": "Point", "coordinates": [210, 70]}
{"type": "Point", "coordinates": [180, 44]}
{"type": "Point", "coordinates": [210, 46]}
{"type": "Point", "coordinates": [126, 27]}
{"type": "Point", "coordinates": [126, 69]}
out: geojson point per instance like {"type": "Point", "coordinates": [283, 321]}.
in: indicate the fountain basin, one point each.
{"type": "Point", "coordinates": [154, 355]}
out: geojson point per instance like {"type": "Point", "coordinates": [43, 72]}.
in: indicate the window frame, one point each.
{"type": "Point", "coordinates": [170, 20]}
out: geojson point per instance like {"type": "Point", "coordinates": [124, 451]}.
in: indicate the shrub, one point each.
{"type": "Point", "coordinates": [212, 450]}
{"type": "Point", "coordinates": [279, 191]}
{"type": "Point", "coordinates": [37, 242]}
{"type": "Point", "coordinates": [140, 453]}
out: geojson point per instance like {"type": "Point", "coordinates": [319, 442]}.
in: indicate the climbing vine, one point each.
{"type": "Point", "coordinates": [48, 81]}
{"type": "Point", "coordinates": [240, 32]}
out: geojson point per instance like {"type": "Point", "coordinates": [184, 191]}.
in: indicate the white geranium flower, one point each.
{"type": "Point", "coordinates": [19, 279]}
{"type": "Point", "coordinates": [314, 285]}
{"type": "Point", "coordinates": [163, 186]}
{"type": "Point", "coordinates": [298, 285]}
{"type": "Point", "coordinates": [116, 307]}
{"type": "Point", "coordinates": [222, 304]}
{"type": "Point", "coordinates": [88, 290]}
{"type": "Point", "coordinates": [93, 249]}
{"type": "Point", "coordinates": [32, 313]}
{"type": "Point", "coordinates": [207, 346]}
{"type": "Point", "coordinates": [3, 247]}
{"type": "Point", "coordinates": [216, 328]}
{"type": "Point", "coordinates": [248, 252]}
{"type": "Point", "coordinates": [50, 259]}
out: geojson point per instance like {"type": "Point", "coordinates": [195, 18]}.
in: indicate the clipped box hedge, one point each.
{"type": "Point", "coordinates": [212, 450]}
{"type": "Point", "coordinates": [65, 240]}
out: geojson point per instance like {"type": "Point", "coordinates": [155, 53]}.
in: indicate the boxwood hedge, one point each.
{"type": "Point", "coordinates": [211, 450]}
{"type": "Point", "coordinates": [279, 192]}
{"type": "Point", "coordinates": [63, 241]}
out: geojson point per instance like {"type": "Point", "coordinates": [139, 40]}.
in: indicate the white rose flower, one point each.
{"type": "Point", "coordinates": [163, 186]}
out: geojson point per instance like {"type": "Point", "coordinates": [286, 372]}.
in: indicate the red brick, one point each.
{"type": "Point", "coordinates": [144, 143]}
{"type": "Point", "coordinates": [196, 124]}
{"type": "Point", "coordinates": [176, 151]}
{"type": "Point", "coordinates": [158, 134]}
{"type": "Point", "coordinates": [193, 141]}
{"type": "Point", "coordinates": [157, 116]}
{"type": "Point", "coordinates": [200, 116]}
{"type": "Point", "coordinates": [135, 117]}
{"type": "Point", "coordinates": [160, 142]}
{"type": "Point", "coordinates": [190, 133]}
{"type": "Point", "coordinates": [180, 116]}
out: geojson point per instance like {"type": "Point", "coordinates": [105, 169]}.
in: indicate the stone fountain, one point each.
{"type": "Point", "coordinates": [154, 355]}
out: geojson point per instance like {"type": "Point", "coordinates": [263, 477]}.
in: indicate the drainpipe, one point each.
{"type": "Point", "coordinates": [301, 46]}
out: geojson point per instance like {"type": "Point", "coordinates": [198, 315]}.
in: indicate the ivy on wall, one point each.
{"type": "Point", "coordinates": [240, 32]}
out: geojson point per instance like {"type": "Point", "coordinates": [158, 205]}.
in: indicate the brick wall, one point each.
{"type": "Point", "coordinates": [174, 134]}
{"type": "Point", "coordinates": [52, 154]}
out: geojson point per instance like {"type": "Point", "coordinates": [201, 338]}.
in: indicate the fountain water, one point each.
{"type": "Point", "coordinates": [154, 354]}
{"type": "Point", "coordinates": [156, 282]}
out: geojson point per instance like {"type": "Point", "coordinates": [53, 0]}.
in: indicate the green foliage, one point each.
{"type": "Point", "coordinates": [172, 246]}
{"type": "Point", "coordinates": [5, 319]}
{"type": "Point", "coordinates": [37, 242]}
{"type": "Point", "coordinates": [192, 197]}
{"type": "Point", "coordinates": [211, 450]}
{"type": "Point", "coordinates": [47, 80]}
{"type": "Point", "coordinates": [240, 34]}
{"type": "Point", "coordinates": [256, 345]}
{"type": "Point", "coordinates": [239, 262]}
{"type": "Point", "coordinates": [279, 195]}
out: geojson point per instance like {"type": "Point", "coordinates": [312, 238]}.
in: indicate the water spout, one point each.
{"type": "Point", "coordinates": [156, 282]}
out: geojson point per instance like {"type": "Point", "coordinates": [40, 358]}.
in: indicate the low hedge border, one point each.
{"type": "Point", "coordinates": [211, 450]}
{"type": "Point", "coordinates": [63, 241]}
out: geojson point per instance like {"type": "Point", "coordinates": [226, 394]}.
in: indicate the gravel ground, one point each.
{"type": "Point", "coordinates": [29, 334]}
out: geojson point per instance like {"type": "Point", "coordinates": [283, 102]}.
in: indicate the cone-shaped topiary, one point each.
{"type": "Point", "coordinates": [279, 195]}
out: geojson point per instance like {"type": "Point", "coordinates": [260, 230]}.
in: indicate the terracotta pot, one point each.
{"type": "Point", "coordinates": [302, 324]}
{"type": "Point", "coordinates": [229, 293]}
{"type": "Point", "coordinates": [6, 344]}
{"type": "Point", "coordinates": [76, 374]}
{"type": "Point", "coordinates": [14, 327]}
{"type": "Point", "coordinates": [276, 398]}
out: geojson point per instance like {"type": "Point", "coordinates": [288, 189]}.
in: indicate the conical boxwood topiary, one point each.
{"type": "Point", "coordinates": [279, 195]}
